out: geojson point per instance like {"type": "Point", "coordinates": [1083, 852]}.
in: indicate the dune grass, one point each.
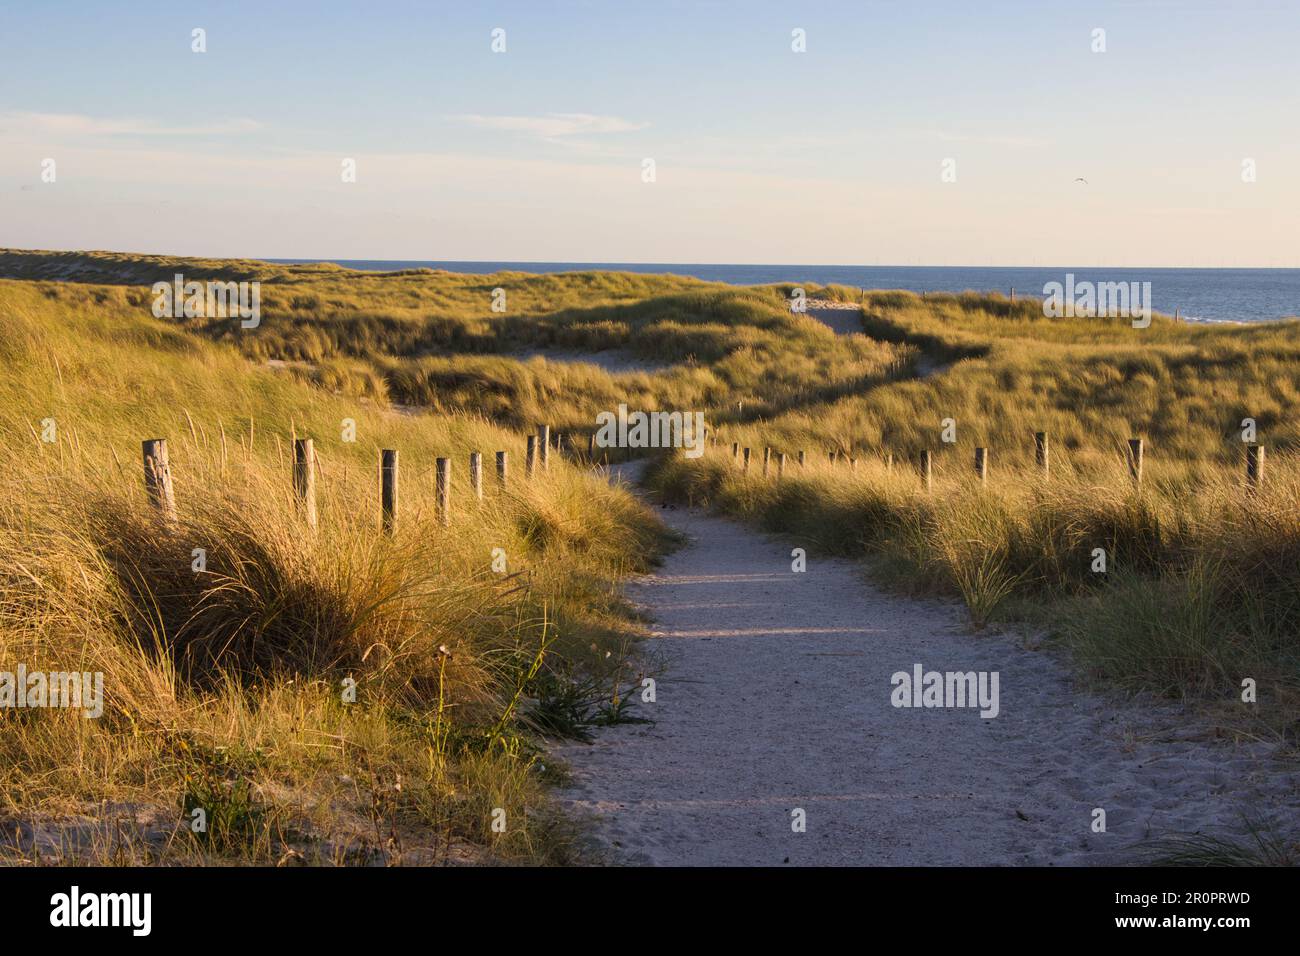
{"type": "Point", "coordinates": [225, 687]}
{"type": "Point", "coordinates": [431, 339]}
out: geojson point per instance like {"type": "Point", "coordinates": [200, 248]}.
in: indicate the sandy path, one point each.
{"type": "Point", "coordinates": [843, 318]}
{"type": "Point", "coordinates": [776, 696]}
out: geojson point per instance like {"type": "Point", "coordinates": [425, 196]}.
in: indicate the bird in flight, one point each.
{"type": "Point", "coordinates": [1080, 179]}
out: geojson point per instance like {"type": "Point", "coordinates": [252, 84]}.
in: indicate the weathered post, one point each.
{"type": "Point", "coordinates": [591, 448]}
{"type": "Point", "coordinates": [503, 462]}
{"type": "Point", "coordinates": [780, 465]}
{"type": "Point", "coordinates": [767, 457]}
{"type": "Point", "coordinates": [889, 462]}
{"type": "Point", "coordinates": [745, 465]}
{"type": "Point", "coordinates": [544, 445]}
{"type": "Point", "coordinates": [476, 474]}
{"type": "Point", "coordinates": [982, 465]}
{"type": "Point", "coordinates": [927, 470]}
{"type": "Point", "coordinates": [801, 459]}
{"type": "Point", "coordinates": [388, 489]}
{"type": "Point", "coordinates": [1135, 460]}
{"type": "Point", "coordinates": [444, 490]}
{"type": "Point", "coordinates": [735, 449]}
{"type": "Point", "coordinates": [1254, 466]}
{"type": "Point", "coordinates": [304, 478]}
{"type": "Point", "coordinates": [158, 477]}
{"type": "Point", "coordinates": [1041, 452]}
{"type": "Point", "coordinates": [530, 458]}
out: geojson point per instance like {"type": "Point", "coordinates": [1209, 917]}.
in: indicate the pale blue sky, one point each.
{"type": "Point", "coordinates": [762, 154]}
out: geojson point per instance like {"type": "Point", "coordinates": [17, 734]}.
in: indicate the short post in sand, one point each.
{"type": "Point", "coordinates": [982, 465]}
{"type": "Point", "coordinates": [158, 477]}
{"type": "Point", "coordinates": [889, 462]}
{"type": "Point", "coordinates": [1135, 460]}
{"type": "Point", "coordinates": [530, 458]}
{"type": "Point", "coordinates": [476, 474]}
{"type": "Point", "coordinates": [780, 465]}
{"type": "Point", "coordinates": [591, 448]}
{"type": "Point", "coordinates": [927, 471]}
{"type": "Point", "coordinates": [1041, 452]}
{"type": "Point", "coordinates": [744, 467]}
{"type": "Point", "coordinates": [544, 445]}
{"type": "Point", "coordinates": [388, 489]}
{"type": "Point", "coordinates": [735, 450]}
{"type": "Point", "coordinates": [503, 465]}
{"type": "Point", "coordinates": [444, 490]}
{"type": "Point", "coordinates": [1254, 466]}
{"type": "Point", "coordinates": [801, 459]}
{"type": "Point", "coordinates": [304, 479]}
{"type": "Point", "coordinates": [767, 457]}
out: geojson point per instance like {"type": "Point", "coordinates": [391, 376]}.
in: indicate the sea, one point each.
{"type": "Point", "coordinates": [1199, 295]}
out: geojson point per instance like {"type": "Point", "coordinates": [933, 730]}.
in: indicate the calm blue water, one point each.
{"type": "Point", "coordinates": [1209, 295]}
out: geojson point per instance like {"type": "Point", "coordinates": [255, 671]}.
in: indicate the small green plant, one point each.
{"type": "Point", "coordinates": [219, 785]}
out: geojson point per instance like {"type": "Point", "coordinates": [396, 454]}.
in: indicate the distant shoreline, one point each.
{"type": "Point", "coordinates": [1205, 295]}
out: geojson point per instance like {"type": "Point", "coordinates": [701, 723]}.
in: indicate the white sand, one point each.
{"type": "Point", "coordinates": [843, 318]}
{"type": "Point", "coordinates": [777, 696]}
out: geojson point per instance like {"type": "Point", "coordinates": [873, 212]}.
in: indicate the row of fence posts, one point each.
{"type": "Point", "coordinates": [159, 488]}
{"type": "Point", "coordinates": [1042, 461]}
{"type": "Point", "coordinates": [158, 479]}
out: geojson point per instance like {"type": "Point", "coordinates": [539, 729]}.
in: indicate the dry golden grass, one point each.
{"type": "Point", "coordinates": [224, 687]}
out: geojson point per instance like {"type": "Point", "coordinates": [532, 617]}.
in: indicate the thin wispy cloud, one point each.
{"type": "Point", "coordinates": [553, 125]}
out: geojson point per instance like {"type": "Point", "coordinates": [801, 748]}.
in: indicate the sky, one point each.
{"type": "Point", "coordinates": [904, 133]}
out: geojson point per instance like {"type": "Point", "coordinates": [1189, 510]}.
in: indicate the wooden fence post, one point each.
{"type": "Point", "coordinates": [591, 448]}
{"type": "Point", "coordinates": [1135, 460]}
{"type": "Point", "coordinates": [544, 445]}
{"type": "Point", "coordinates": [304, 478]}
{"type": "Point", "coordinates": [388, 488]}
{"type": "Point", "coordinates": [927, 470]}
{"type": "Point", "coordinates": [503, 462]}
{"type": "Point", "coordinates": [476, 474]}
{"type": "Point", "coordinates": [889, 462]}
{"type": "Point", "coordinates": [1254, 466]}
{"type": "Point", "coordinates": [745, 465]}
{"type": "Point", "coordinates": [982, 465]}
{"type": "Point", "coordinates": [801, 459]}
{"type": "Point", "coordinates": [735, 449]}
{"type": "Point", "coordinates": [767, 457]}
{"type": "Point", "coordinates": [443, 485]}
{"type": "Point", "coordinates": [1041, 452]}
{"type": "Point", "coordinates": [780, 465]}
{"type": "Point", "coordinates": [158, 477]}
{"type": "Point", "coordinates": [530, 459]}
